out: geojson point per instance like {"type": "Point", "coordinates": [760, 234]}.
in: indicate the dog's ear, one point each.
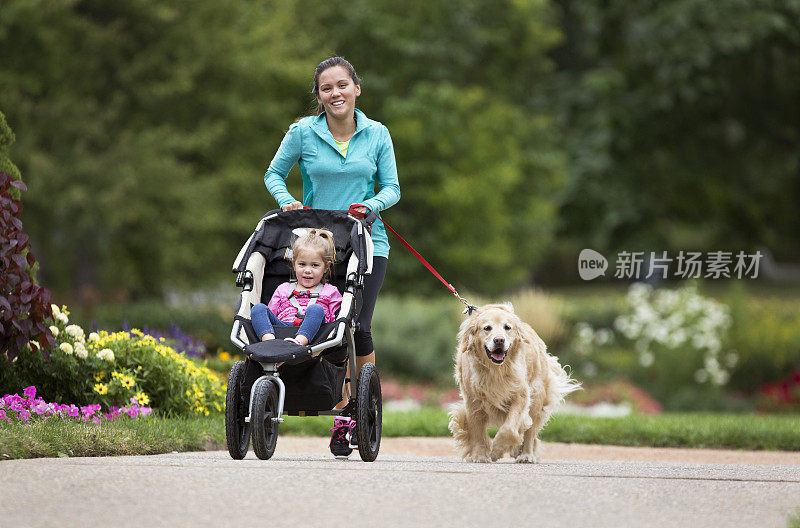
{"type": "Point", "coordinates": [508, 306]}
{"type": "Point", "coordinates": [466, 332]}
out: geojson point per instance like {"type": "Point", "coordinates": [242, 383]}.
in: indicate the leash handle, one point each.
{"type": "Point", "coordinates": [357, 214]}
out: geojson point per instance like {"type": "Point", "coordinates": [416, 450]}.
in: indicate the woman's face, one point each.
{"type": "Point", "coordinates": [337, 92]}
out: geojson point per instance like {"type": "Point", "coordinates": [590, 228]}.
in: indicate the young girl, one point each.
{"type": "Point", "coordinates": [307, 302]}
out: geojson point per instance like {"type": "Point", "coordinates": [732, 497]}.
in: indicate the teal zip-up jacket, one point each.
{"type": "Point", "coordinates": [332, 180]}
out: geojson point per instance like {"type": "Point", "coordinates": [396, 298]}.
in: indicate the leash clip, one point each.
{"type": "Point", "coordinates": [469, 307]}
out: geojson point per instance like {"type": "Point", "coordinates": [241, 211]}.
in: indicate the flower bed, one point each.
{"type": "Point", "coordinates": [23, 409]}
{"type": "Point", "coordinates": [112, 368]}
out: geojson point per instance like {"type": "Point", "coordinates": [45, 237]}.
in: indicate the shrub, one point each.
{"type": "Point", "coordinates": [110, 368]}
{"type": "Point", "coordinates": [766, 336]}
{"type": "Point", "coordinates": [415, 338]}
{"type": "Point", "coordinates": [782, 395]}
{"type": "Point", "coordinates": [24, 305]}
{"type": "Point", "coordinates": [210, 325]}
{"type": "Point", "coordinates": [677, 339]}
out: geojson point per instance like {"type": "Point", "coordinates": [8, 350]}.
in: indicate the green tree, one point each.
{"type": "Point", "coordinates": [142, 127]}
{"type": "Point", "coordinates": [460, 87]}
{"type": "Point", "coordinates": [680, 119]}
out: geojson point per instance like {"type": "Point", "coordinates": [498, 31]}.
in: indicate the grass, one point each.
{"type": "Point", "coordinates": [735, 431]}
{"type": "Point", "coordinates": [141, 436]}
{"type": "Point", "coordinates": [162, 435]}
{"type": "Point", "coordinates": [793, 519]}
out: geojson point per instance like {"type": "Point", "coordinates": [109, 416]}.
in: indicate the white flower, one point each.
{"type": "Point", "coordinates": [106, 354]}
{"type": "Point", "coordinates": [56, 310]}
{"type": "Point", "coordinates": [80, 351]}
{"type": "Point", "coordinates": [54, 331]}
{"type": "Point", "coordinates": [94, 337]}
{"type": "Point", "coordinates": [75, 331]}
{"type": "Point", "coordinates": [701, 376]}
{"type": "Point", "coordinates": [646, 359]}
{"type": "Point", "coordinates": [589, 369]}
{"type": "Point", "coordinates": [603, 336]}
{"type": "Point", "coordinates": [66, 348]}
{"type": "Point", "coordinates": [731, 359]}
{"type": "Point", "coordinates": [584, 332]}
{"type": "Point", "coordinates": [720, 377]}
{"type": "Point", "coordinates": [63, 318]}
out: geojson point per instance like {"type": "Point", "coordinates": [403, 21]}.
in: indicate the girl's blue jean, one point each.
{"type": "Point", "coordinates": [264, 321]}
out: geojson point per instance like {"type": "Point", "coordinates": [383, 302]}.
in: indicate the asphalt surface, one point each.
{"type": "Point", "coordinates": [315, 489]}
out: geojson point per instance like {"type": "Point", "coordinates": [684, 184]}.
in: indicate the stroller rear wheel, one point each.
{"type": "Point", "coordinates": [369, 413]}
{"type": "Point", "coordinates": [237, 431]}
{"type": "Point", "coordinates": [264, 419]}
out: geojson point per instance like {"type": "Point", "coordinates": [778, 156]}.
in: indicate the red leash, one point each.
{"type": "Point", "coordinates": [470, 307]}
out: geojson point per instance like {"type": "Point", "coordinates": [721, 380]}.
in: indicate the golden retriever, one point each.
{"type": "Point", "coordinates": [507, 380]}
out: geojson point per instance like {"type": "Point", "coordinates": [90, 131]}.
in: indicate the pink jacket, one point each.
{"type": "Point", "coordinates": [329, 298]}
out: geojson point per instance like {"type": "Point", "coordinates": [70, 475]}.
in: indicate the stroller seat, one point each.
{"type": "Point", "coordinates": [264, 262]}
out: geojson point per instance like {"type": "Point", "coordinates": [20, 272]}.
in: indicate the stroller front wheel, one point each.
{"type": "Point", "coordinates": [369, 413]}
{"type": "Point", "coordinates": [265, 428]}
{"type": "Point", "coordinates": [237, 431]}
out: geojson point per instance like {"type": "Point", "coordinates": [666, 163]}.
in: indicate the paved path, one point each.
{"type": "Point", "coordinates": [314, 489]}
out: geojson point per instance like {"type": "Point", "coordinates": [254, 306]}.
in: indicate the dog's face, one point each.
{"type": "Point", "coordinates": [491, 333]}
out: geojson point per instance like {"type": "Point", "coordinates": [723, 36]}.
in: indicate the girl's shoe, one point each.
{"type": "Point", "coordinates": [339, 441]}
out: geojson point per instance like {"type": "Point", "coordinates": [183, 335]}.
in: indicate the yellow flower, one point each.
{"type": "Point", "coordinates": [116, 375]}
{"type": "Point", "coordinates": [142, 398]}
{"type": "Point", "coordinates": [101, 388]}
{"type": "Point", "coordinates": [224, 356]}
{"type": "Point", "coordinates": [99, 375]}
{"type": "Point", "coordinates": [127, 382]}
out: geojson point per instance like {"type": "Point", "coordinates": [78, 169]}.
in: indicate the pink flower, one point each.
{"type": "Point", "coordinates": [3, 414]}
{"type": "Point", "coordinates": [96, 420]}
{"type": "Point", "coordinates": [73, 411]}
{"type": "Point", "coordinates": [30, 392]}
{"type": "Point", "coordinates": [25, 416]}
{"type": "Point", "coordinates": [88, 410]}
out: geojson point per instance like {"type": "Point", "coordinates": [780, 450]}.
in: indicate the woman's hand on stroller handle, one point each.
{"type": "Point", "coordinates": [292, 206]}
{"type": "Point", "coordinates": [357, 210]}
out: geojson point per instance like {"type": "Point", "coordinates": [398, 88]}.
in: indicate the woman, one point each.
{"type": "Point", "coordinates": [343, 155]}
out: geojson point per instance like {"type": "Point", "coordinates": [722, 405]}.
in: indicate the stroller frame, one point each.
{"type": "Point", "coordinates": [267, 400]}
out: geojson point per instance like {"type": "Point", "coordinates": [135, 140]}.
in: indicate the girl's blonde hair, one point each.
{"type": "Point", "coordinates": [319, 241]}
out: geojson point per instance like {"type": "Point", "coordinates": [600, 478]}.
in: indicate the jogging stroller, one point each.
{"type": "Point", "coordinates": [283, 378]}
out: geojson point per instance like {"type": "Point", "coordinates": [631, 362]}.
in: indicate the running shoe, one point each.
{"type": "Point", "coordinates": [339, 442]}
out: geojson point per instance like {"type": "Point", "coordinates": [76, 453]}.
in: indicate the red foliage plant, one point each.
{"type": "Point", "coordinates": [24, 305]}
{"type": "Point", "coordinates": [782, 395]}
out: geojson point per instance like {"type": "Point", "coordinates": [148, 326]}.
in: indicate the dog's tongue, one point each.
{"type": "Point", "coordinates": [498, 355]}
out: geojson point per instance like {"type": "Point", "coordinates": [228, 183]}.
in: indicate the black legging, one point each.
{"type": "Point", "coordinates": [372, 285]}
